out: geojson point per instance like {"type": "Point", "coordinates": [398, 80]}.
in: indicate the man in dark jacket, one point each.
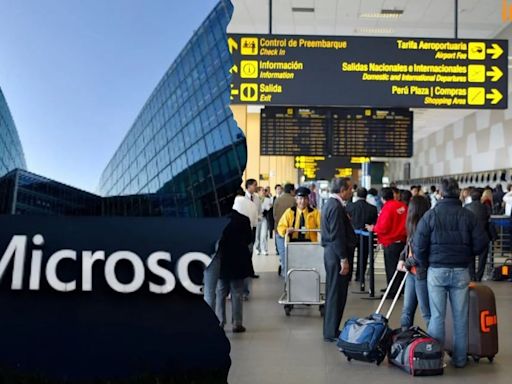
{"type": "Point", "coordinates": [338, 240]}
{"type": "Point", "coordinates": [361, 213]}
{"type": "Point", "coordinates": [446, 240]}
{"type": "Point", "coordinates": [483, 215]}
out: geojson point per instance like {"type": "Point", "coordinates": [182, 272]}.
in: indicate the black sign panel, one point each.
{"type": "Point", "coordinates": [369, 71]}
{"type": "Point", "coordinates": [289, 131]}
{"type": "Point", "coordinates": [100, 335]}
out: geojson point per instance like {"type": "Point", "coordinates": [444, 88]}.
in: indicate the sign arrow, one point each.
{"type": "Point", "coordinates": [495, 73]}
{"type": "Point", "coordinates": [234, 69]}
{"type": "Point", "coordinates": [495, 96]}
{"type": "Point", "coordinates": [232, 45]}
{"type": "Point", "coordinates": [495, 51]}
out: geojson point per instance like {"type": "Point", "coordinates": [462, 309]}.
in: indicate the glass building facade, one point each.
{"type": "Point", "coordinates": [185, 141]}
{"type": "Point", "coordinates": [25, 193]}
{"type": "Point", "coordinates": [11, 152]}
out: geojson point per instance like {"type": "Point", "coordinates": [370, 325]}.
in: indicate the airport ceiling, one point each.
{"type": "Point", "coordinates": [394, 18]}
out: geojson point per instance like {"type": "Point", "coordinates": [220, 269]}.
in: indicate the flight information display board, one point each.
{"type": "Point", "coordinates": [296, 131]}
{"type": "Point", "coordinates": [293, 131]}
{"type": "Point", "coordinates": [369, 71]}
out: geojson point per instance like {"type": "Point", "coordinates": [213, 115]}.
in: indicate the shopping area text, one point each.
{"type": "Point", "coordinates": [379, 72]}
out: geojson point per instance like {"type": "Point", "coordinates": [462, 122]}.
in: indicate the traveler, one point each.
{"type": "Point", "coordinates": [416, 291]}
{"type": "Point", "coordinates": [446, 240]}
{"type": "Point", "coordinates": [261, 241]}
{"type": "Point", "coordinates": [339, 240]}
{"type": "Point", "coordinates": [507, 199]}
{"type": "Point", "coordinates": [361, 214]}
{"type": "Point", "coordinates": [415, 190]}
{"type": "Point", "coordinates": [497, 198]}
{"type": "Point", "coordinates": [374, 199]}
{"type": "Point", "coordinates": [434, 196]}
{"type": "Point", "coordinates": [285, 201]}
{"type": "Point", "coordinates": [405, 196]}
{"type": "Point", "coordinates": [251, 186]}
{"type": "Point", "coordinates": [487, 198]}
{"type": "Point", "coordinates": [396, 193]}
{"type": "Point", "coordinates": [302, 216]}
{"type": "Point", "coordinates": [235, 265]}
{"type": "Point", "coordinates": [391, 233]}
{"type": "Point", "coordinates": [313, 197]}
{"type": "Point", "coordinates": [483, 215]}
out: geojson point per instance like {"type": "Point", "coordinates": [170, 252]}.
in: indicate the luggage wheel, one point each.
{"type": "Point", "coordinates": [491, 359]}
{"type": "Point", "coordinates": [349, 359]}
{"type": "Point", "coordinates": [288, 309]}
{"type": "Point", "coordinates": [321, 308]}
{"type": "Point", "coordinates": [476, 359]}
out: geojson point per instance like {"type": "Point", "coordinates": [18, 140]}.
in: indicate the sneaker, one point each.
{"type": "Point", "coordinates": [239, 329]}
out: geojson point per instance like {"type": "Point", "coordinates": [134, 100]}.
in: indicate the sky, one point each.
{"type": "Point", "coordinates": [76, 74]}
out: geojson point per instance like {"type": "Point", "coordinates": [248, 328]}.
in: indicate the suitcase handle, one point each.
{"type": "Point", "coordinates": [399, 291]}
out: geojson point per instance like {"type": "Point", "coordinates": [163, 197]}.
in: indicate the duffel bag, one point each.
{"type": "Point", "coordinates": [416, 352]}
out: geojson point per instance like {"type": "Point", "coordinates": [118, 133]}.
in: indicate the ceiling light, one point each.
{"type": "Point", "coordinates": [383, 14]}
{"type": "Point", "coordinates": [303, 9]}
{"type": "Point", "coordinates": [374, 30]}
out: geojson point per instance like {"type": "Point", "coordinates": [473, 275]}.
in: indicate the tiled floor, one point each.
{"type": "Point", "coordinates": [280, 349]}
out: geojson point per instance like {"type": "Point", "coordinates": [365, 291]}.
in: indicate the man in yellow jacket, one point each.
{"type": "Point", "coordinates": [301, 217]}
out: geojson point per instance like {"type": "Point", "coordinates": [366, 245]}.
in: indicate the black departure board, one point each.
{"type": "Point", "coordinates": [287, 131]}
{"type": "Point", "coordinates": [293, 131]}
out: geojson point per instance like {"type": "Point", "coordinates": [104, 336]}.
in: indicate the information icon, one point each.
{"type": "Point", "coordinates": [249, 69]}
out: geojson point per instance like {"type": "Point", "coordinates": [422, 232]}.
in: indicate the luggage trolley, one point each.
{"type": "Point", "coordinates": [305, 274]}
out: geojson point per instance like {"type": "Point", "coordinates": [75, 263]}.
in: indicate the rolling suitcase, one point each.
{"type": "Point", "coordinates": [368, 338]}
{"type": "Point", "coordinates": [483, 324]}
{"type": "Point", "coordinates": [416, 352]}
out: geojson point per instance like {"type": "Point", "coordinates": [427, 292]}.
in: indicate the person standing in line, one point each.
{"type": "Point", "coordinates": [235, 265]}
{"type": "Point", "coordinates": [445, 241]}
{"type": "Point", "coordinates": [361, 214]}
{"type": "Point", "coordinates": [391, 233]}
{"type": "Point", "coordinates": [433, 196]}
{"type": "Point", "coordinates": [482, 213]}
{"type": "Point", "coordinates": [338, 239]}
{"type": "Point", "coordinates": [285, 201]}
{"type": "Point", "coordinates": [416, 291]}
{"type": "Point", "coordinates": [487, 198]}
{"type": "Point", "coordinates": [313, 197]}
{"type": "Point", "coordinates": [507, 199]}
{"type": "Point", "coordinates": [497, 198]}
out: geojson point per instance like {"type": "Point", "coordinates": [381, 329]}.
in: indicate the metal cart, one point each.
{"type": "Point", "coordinates": [305, 274]}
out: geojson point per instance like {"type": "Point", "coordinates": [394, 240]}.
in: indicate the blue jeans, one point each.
{"type": "Point", "coordinates": [236, 287]}
{"type": "Point", "coordinates": [210, 278]}
{"type": "Point", "coordinates": [416, 292]}
{"type": "Point", "coordinates": [280, 250]}
{"type": "Point", "coordinates": [452, 283]}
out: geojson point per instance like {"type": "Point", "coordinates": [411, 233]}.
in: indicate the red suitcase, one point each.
{"type": "Point", "coordinates": [483, 323]}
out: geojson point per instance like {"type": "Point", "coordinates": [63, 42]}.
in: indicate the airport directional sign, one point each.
{"type": "Point", "coordinates": [290, 70]}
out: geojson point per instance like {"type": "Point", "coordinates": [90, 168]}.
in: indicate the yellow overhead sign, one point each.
{"type": "Point", "coordinates": [359, 160]}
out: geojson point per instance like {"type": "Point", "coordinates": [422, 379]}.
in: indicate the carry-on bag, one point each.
{"type": "Point", "coordinates": [368, 338]}
{"type": "Point", "coordinates": [416, 352]}
{"type": "Point", "coordinates": [483, 324]}
{"type": "Point", "coordinates": [502, 272]}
